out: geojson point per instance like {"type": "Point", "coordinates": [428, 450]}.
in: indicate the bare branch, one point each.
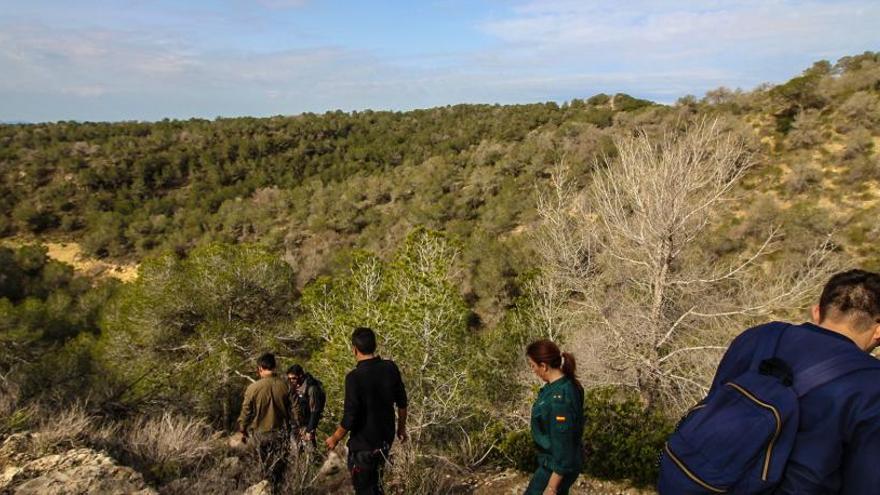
{"type": "Point", "coordinates": [622, 258]}
{"type": "Point", "coordinates": [689, 349]}
{"type": "Point", "coordinates": [674, 326]}
{"type": "Point", "coordinates": [742, 266]}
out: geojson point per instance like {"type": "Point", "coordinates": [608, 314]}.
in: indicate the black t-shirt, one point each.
{"type": "Point", "coordinates": [372, 390]}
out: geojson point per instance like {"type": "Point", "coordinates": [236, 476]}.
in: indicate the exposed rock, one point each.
{"type": "Point", "coordinates": [78, 471]}
{"type": "Point", "coordinates": [333, 465]}
{"type": "Point", "coordinates": [261, 488]}
{"type": "Point", "coordinates": [507, 481]}
{"type": "Point", "coordinates": [232, 466]}
{"type": "Point", "coordinates": [8, 475]}
{"type": "Point", "coordinates": [16, 449]}
{"type": "Point", "coordinates": [86, 471]}
{"type": "Point", "coordinates": [235, 442]}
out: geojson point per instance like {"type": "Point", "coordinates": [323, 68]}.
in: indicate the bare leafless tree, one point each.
{"type": "Point", "coordinates": [626, 281]}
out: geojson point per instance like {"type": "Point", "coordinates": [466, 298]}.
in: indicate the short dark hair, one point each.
{"type": "Point", "coordinates": [266, 361]}
{"type": "Point", "coordinates": [295, 370]}
{"type": "Point", "coordinates": [852, 295]}
{"type": "Point", "coordinates": [364, 340]}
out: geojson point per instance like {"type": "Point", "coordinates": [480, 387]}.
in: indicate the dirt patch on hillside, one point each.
{"type": "Point", "coordinates": [72, 254]}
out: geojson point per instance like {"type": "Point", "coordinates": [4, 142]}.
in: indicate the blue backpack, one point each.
{"type": "Point", "coordinates": [739, 438]}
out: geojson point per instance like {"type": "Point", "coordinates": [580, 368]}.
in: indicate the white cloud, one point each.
{"type": "Point", "coordinates": [658, 48]}
{"type": "Point", "coordinates": [682, 29]}
{"type": "Point", "coordinates": [548, 49]}
{"type": "Point", "coordinates": [137, 67]}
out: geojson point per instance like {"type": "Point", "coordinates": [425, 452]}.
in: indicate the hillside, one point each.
{"type": "Point", "coordinates": [144, 266]}
{"type": "Point", "coordinates": [314, 186]}
{"type": "Point", "coordinates": [310, 186]}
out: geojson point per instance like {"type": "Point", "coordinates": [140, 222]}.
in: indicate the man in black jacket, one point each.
{"type": "Point", "coordinates": [307, 400]}
{"type": "Point", "coordinates": [372, 390]}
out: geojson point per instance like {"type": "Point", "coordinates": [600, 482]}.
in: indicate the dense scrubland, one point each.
{"type": "Point", "coordinates": [641, 236]}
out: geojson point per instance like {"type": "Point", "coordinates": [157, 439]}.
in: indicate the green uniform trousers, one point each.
{"type": "Point", "coordinates": [542, 477]}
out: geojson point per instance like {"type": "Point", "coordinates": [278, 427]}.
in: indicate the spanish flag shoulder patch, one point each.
{"type": "Point", "coordinates": [560, 419]}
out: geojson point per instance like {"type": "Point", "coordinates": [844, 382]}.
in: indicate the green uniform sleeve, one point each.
{"type": "Point", "coordinates": [540, 418]}
{"type": "Point", "coordinates": [564, 443]}
{"type": "Point", "coordinates": [288, 407]}
{"type": "Point", "coordinates": [247, 409]}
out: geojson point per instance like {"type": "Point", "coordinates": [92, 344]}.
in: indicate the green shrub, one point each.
{"type": "Point", "coordinates": [21, 419]}
{"type": "Point", "coordinates": [599, 99]}
{"type": "Point", "coordinates": [600, 117]}
{"type": "Point", "coordinates": [34, 218]}
{"type": "Point", "coordinates": [205, 317]}
{"type": "Point", "coordinates": [518, 449]}
{"type": "Point", "coordinates": [621, 439]}
{"type": "Point", "coordinates": [627, 103]}
{"type": "Point", "coordinates": [421, 320]}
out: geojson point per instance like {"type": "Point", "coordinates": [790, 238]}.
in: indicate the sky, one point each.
{"type": "Point", "coordinates": [101, 60]}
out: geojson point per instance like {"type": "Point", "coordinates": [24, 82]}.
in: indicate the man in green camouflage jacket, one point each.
{"type": "Point", "coordinates": [265, 417]}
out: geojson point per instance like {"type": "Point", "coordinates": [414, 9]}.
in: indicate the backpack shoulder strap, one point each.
{"type": "Point", "coordinates": [767, 351]}
{"type": "Point", "coordinates": [829, 370]}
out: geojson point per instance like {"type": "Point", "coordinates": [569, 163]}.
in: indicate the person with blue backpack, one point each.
{"type": "Point", "coordinates": [793, 409]}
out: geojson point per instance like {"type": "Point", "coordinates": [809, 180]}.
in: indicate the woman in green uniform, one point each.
{"type": "Point", "coordinates": [557, 420]}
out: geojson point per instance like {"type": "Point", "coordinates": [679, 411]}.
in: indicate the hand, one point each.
{"type": "Point", "coordinates": [331, 442]}
{"type": "Point", "coordinates": [308, 436]}
{"type": "Point", "coordinates": [549, 490]}
{"type": "Point", "coordinates": [401, 434]}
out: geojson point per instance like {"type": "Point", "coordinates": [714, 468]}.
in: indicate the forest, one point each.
{"type": "Point", "coordinates": [459, 233]}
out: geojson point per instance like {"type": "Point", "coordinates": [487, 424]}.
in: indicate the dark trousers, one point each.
{"type": "Point", "coordinates": [272, 452]}
{"type": "Point", "coordinates": [542, 477]}
{"type": "Point", "coordinates": [366, 468]}
{"type": "Point", "coordinates": [296, 438]}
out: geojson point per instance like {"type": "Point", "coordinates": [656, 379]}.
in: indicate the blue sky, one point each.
{"type": "Point", "coordinates": [152, 59]}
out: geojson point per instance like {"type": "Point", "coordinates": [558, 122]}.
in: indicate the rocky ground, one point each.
{"type": "Point", "coordinates": [76, 471]}
{"type": "Point", "coordinates": [81, 470]}
{"type": "Point", "coordinates": [515, 482]}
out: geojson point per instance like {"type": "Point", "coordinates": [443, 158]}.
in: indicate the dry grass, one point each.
{"type": "Point", "coordinates": [65, 429]}
{"type": "Point", "coordinates": [169, 444]}
{"type": "Point", "coordinates": [301, 476]}
{"type": "Point", "coordinates": [413, 471]}
{"type": "Point", "coordinates": [302, 473]}
{"type": "Point", "coordinates": [8, 397]}
{"type": "Point", "coordinates": [229, 475]}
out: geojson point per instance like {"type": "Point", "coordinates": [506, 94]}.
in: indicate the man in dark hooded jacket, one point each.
{"type": "Point", "coordinates": [307, 399]}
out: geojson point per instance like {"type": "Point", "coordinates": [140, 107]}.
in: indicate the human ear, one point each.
{"type": "Point", "coordinates": [816, 314]}
{"type": "Point", "coordinates": [875, 338]}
